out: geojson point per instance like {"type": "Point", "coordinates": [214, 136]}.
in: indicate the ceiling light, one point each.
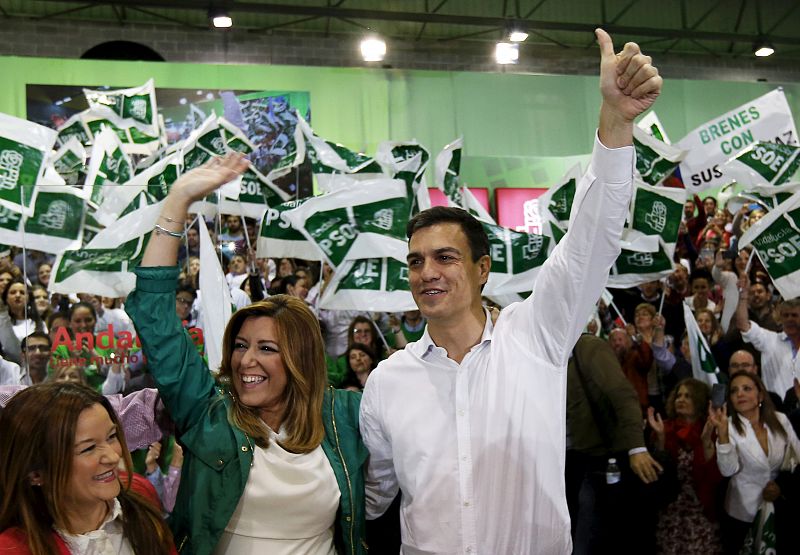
{"type": "Point", "coordinates": [373, 49]}
{"type": "Point", "coordinates": [506, 52]}
{"type": "Point", "coordinates": [517, 34]}
{"type": "Point", "coordinates": [762, 48]}
{"type": "Point", "coordinates": [220, 18]}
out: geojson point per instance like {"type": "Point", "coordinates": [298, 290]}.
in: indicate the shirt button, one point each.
{"type": "Point", "coordinates": [469, 549]}
{"type": "Point", "coordinates": [464, 458]}
{"type": "Point", "coordinates": [348, 519]}
{"type": "Point", "coordinates": [466, 503]}
{"type": "Point", "coordinates": [461, 412]}
{"type": "Point", "coordinates": [244, 448]}
{"type": "Point", "coordinates": [220, 462]}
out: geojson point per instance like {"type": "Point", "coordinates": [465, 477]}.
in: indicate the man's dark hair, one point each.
{"type": "Point", "coordinates": [185, 288]}
{"type": "Point", "coordinates": [701, 273]}
{"type": "Point", "coordinates": [34, 335]}
{"type": "Point", "coordinates": [472, 228]}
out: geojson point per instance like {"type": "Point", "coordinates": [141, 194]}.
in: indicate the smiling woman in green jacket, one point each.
{"type": "Point", "coordinates": [274, 460]}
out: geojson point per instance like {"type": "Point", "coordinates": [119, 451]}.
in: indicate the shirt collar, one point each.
{"type": "Point", "coordinates": [95, 541]}
{"type": "Point", "coordinates": [425, 346]}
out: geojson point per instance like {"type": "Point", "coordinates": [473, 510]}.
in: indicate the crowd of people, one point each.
{"type": "Point", "coordinates": [113, 424]}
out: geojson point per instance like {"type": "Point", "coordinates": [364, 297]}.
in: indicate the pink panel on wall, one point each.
{"type": "Point", "coordinates": [517, 209]}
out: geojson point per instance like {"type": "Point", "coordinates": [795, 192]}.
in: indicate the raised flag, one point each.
{"type": "Point", "coordinates": [109, 167]}
{"type": "Point", "coordinates": [103, 271]}
{"type": "Point", "coordinates": [516, 259]}
{"type": "Point", "coordinates": [24, 148]}
{"type": "Point", "coordinates": [134, 107]}
{"type": "Point", "coordinates": [776, 239]}
{"type": "Point", "coordinates": [556, 204]}
{"type": "Point", "coordinates": [704, 367]}
{"type": "Point", "coordinates": [70, 161]}
{"type": "Point", "coordinates": [766, 118]}
{"type": "Point", "coordinates": [655, 159]}
{"type": "Point", "coordinates": [651, 124]}
{"type": "Point", "coordinates": [356, 221]}
{"type": "Point", "coordinates": [763, 165]}
{"type": "Point", "coordinates": [215, 300]}
{"type": "Point", "coordinates": [277, 238]}
{"type": "Point", "coordinates": [407, 161]}
{"type": "Point", "coordinates": [633, 267]}
{"type": "Point", "coordinates": [447, 172]}
{"type": "Point", "coordinates": [55, 225]}
{"type": "Point", "coordinates": [657, 211]}
{"type": "Point", "coordinates": [373, 284]}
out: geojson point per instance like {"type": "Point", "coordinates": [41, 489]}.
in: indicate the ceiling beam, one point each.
{"type": "Point", "coordinates": [436, 18]}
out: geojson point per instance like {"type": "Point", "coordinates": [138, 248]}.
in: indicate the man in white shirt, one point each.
{"type": "Point", "coordinates": [469, 422]}
{"type": "Point", "coordinates": [779, 362]}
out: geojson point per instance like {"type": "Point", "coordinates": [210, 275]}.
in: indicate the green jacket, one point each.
{"type": "Point", "coordinates": [218, 455]}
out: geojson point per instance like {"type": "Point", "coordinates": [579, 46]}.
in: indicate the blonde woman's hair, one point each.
{"type": "Point", "coordinates": [300, 346]}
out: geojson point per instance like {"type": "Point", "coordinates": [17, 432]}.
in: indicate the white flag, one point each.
{"type": "Point", "coordinates": [215, 299]}
{"type": "Point", "coordinates": [704, 367]}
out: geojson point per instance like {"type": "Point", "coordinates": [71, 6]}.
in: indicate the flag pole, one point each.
{"type": "Point", "coordinates": [619, 314]}
{"type": "Point", "coordinates": [663, 296]}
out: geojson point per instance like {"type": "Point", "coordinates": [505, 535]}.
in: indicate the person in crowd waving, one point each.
{"type": "Point", "coordinates": [752, 445]}
{"type": "Point", "coordinates": [689, 524]}
{"type": "Point", "coordinates": [273, 459]}
{"type": "Point", "coordinates": [60, 484]}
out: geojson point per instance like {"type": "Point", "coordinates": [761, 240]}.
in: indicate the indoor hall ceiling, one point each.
{"type": "Point", "coordinates": [708, 28]}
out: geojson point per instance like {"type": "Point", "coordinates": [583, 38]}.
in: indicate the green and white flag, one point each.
{"type": "Point", "coordinates": [704, 367]}
{"type": "Point", "coordinates": [633, 268]}
{"type": "Point", "coordinates": [448, 170]}
{"type": "Point", "coordinates": [651, 125]}
{"type": "Point", "coordinates": [516, 257]}
{"type": "Point", "coordinates": [776, 239]}
{"type": "Point", "coordinates": [655, 159]}
{"type": "Point", "coordinates": [373, 284]}
{"type": "Point", "coordinates": [277, 237]}
{"type": "Point", "coordinates": [105, 272]}
{"type": "Point", "coordinates": [24, 149]}
{"type": "Point", "coordinates": [215, 299]}
{"type": "Point", "coordinates": [556, 204]}
{"type": "Point", "coordinates": [356, 221]}
{"type": "Point", "coordinates": [334, 164]}
{"type": "Point", "coordinates": [235, 139]}
{"type": "Point", "coordinates": [70, 161]}
{"type": "Point", "coordinates": [202, 144]}
{"type": "Point", "coordinates": [127, 108]}
{"type": "Point", "coordinates": [256, 193]}
{"type": "Point", "coordinates": [407, 161]}
{"type": "Point", "coordinates": [155, 180]}
{"type": "Point", "coordinates": [657, 211]}
{"type": "Point", "coordinates": [761, 538]}
{"type": "Point", "coordinates": [74, 128]}
{"type": "Point", "coordinates": [55, 225]}
{"type": "Point", "coordinates": [763, 165]}
{"type": "Point", "coordinates": [766, 118]}
{"type": "Point", "coordinates": [133, 141]}
{"type": "Point", "coordinates": [109, 167]}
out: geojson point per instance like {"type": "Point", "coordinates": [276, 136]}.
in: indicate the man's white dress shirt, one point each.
{"type": "Point", "coordinates": [477, 448]}
{"type": "Point", "coordinates": [779, 364]}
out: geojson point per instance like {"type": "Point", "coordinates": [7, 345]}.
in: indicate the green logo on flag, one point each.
{"type": "Point", "coordinates": [707, 362]}
{"type": "Point", "coordinates": [9, 219]}
{"type": "Point", "coordinates": [632, 262]}
{"type": "Point", "coordinates": [654, 214]}
{"type": "Point", "coordinates": [364, 275]}
{"type": "Point", "coordinates": [561, 201]}
{"type": "Point", "coordinates": [19, 170]}
{"type": "Point", "coordinates": [99, 260]}
{"type": "Point", "coordinates": [333, 232]}
{"type": "Point", "coordinates": [276, 226]}
{"type": "Point", "coordinates": [56, 214]}
{"type": "Point", "coordinates": [775, 162]}
{"type": "Point", "coordinates": [650, 164]}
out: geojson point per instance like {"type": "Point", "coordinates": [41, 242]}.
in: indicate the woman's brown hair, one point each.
{"type": "Point", "coordinates": [699, 393]}
{"type": "Point", "coordinates": [37, 435]}
{"type": "Point", "coordinates": [301, 350]}
{"type": "Point", "coordinates": [766, 410]}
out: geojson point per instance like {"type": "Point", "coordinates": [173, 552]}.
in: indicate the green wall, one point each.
{"type": "Point", "coordinates": [516, 128]}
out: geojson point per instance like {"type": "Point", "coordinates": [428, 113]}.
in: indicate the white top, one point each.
{"type": "Point", "coordinates": [115, 317]}
{"type": "Point", "coordinates": [478, 448]}
{"type": "Point", "coordinates": [23, 328]}
{"type": "Point", "coordinates": [10, 372]}
{"type": "Point", "coordinates": [751, 468]}
{"type": "Point", "coordinates": [106, 540]}
{"type": "Point", "coordinates": [288, 506]}
{"type": "Point", "coordinates": [779, 366]}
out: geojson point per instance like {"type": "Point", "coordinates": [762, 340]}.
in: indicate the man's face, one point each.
{"type": "Point", "coordinates": [234, 224]}
{"type": "Point", "coordinates": [192, 238]}
{"type": "Point", "coordinates": [742, 360]}
{"type": "Point", "coordinates": [790, 318]}
{"type": "Point", "coordinates": [183, 304]}
{"type": "Point", "coordinates": [688, 209]}
{"type": "Point", "coordinates": [680, 276]}
{"type": "Point", "coordinates": [37, 353]}
{"type": "Point", "coordinates": [649, 289]}
{"type": "Point", "coordinates": [759, 296]}
{"type": "Point", "coordinates": [444, 280]}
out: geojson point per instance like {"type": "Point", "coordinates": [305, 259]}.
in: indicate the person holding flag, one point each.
{"type": "Point", "coordinates": [469, 421]}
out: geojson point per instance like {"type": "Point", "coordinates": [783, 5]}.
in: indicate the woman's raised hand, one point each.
{"type": "Point", "coordinates": [719, 418]}
{"type": "Point", "coordinates": [201, 181]}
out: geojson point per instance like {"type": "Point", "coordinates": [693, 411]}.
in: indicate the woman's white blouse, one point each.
{"type": "Point", "coordinates": [106, 540]}
{"type": "Point", "coordinates": [749, 467]}
{"type": "Point", "coordinates": [288, 506]}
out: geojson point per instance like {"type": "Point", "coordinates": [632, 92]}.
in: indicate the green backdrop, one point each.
{"type": "Point", "coordinates": [517, 129]}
